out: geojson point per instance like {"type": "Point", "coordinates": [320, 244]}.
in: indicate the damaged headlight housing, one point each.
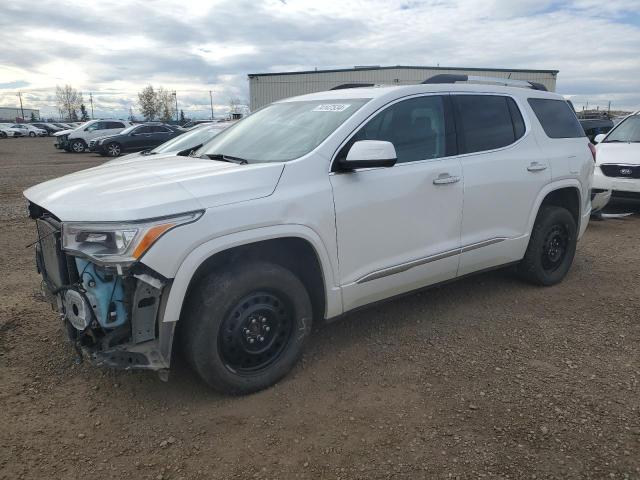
{"type": "Point", "coordinates": [119, 243]}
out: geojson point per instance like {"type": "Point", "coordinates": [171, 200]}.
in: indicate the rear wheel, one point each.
{"type": "Point", "coordinates": [552, 247]}
{"type": "Point", "coordinates": [114, 149]}
{"type": "Point", "coordinates": [245, 328]}
{"type": "Point", "coordinates": [78, 146]}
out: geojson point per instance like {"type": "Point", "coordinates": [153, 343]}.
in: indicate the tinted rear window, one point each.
{"type": "Point", "coordinates": [484, 122]}
{"type": "Point", "coordinates": [556, 118]}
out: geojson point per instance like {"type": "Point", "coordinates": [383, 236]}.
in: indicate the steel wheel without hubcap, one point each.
{"type": "Point", "coordinates": [113, 149]}
{"type": "Point", "coordinates": [255, 333]}
{"type": "Point", "coordinates": [78, 146]}
{"type": "Point", "coordinates": [555, 248]}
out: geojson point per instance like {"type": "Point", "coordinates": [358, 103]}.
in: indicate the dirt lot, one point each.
{"type": "Point", "coordinates": [487, 377]}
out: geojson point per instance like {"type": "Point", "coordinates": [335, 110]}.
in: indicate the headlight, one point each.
{"type": "Point", "coordinates": [119, 243]}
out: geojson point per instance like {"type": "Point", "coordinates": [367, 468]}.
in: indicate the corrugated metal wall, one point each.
{"type": "Point", "coordinates": [10, 114]}
{"type": "Point", "coordinates": [264, 89]}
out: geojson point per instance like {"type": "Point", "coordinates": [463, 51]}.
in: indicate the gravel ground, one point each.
{"type": "Point", "coordinates": [485, 377]}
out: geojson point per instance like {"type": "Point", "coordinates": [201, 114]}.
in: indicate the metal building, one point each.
{"type": "Point", "coordinates": [265, 88]}
{"type": "Point", "coordinates": [9, 114]}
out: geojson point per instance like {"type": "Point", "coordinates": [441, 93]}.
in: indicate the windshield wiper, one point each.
{"type": "Point", "coordinates": [225, 158]}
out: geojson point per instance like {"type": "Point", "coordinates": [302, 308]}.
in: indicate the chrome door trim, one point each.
{"type": "Point", "coordinates": [403, 267]}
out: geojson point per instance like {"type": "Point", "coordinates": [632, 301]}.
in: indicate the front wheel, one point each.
{"type": "Point", "coordinates": [78, 146]}
{"type": "Point", "coordinates": [32, 134]}
{"type": "Point", "coordinates": [552, 247]}
{"type": "Point", "coordinates": [114, 149]}
{"type": "Point", "coordinates": [246, 327]}
{"type": "Point", "coordinates": [3, 135]}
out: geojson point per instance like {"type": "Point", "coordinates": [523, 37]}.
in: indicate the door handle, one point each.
{"type": "Point", "coordinates": [536, 167]}
{"type": "Point", "coordinates": [445, 179]}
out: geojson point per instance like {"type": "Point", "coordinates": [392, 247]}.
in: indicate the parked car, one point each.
{"type": "Point", "coordinates": [309, 208]}
{"type": "Point", "coordinates": [618, 161]}
{"type": "Point", "coordinates": [77, 140]}
{"type": "Point", "coordinates": [595, 126]}
{"type": "Point", "coordinates": [29, 130]}
{"type": "Point", "coordinates": [182, 145]}
{"type": "Point", "coordinates": [193, 123]}
{"type": "Point", "coordinates": [7, 131]}
{"type": "Point", "coordinates": [49, 127]}
{"type": "Point", "coordinates": [63, 126]}
{"type": "Point", "coordinates": [133, 139]}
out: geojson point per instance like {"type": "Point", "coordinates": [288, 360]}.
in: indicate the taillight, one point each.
{"type": "Point", "coordinates": [592, 147]}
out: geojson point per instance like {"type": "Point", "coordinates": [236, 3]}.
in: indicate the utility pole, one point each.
{"type": "Point", "coordinates": [175, 96]}
{"type": "Point", "coordinates": [21, 109]}
{"type": "Point", "coordinates": [91, 101]}
{"type": "Point", "coordinates": [211, 100]}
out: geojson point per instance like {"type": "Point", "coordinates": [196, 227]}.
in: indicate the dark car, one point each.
{"type": "Point", "coordinates": [134, 139]}
{"type": "Point", "coordinates": [595, 126]}
{"type": "Point", "coordinates": [49, 127]}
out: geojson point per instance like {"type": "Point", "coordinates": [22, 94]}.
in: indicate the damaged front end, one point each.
{"type": "Point", "coordinates": [111, 304]}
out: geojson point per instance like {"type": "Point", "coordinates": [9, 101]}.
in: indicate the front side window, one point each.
{"type": "Point", "coordinates": [556, 117]}
{"type": "Point", "coordinates": [417, 128]}
{"type": "Point", "coordinates": [486, 122]}
{"type": "Point", "coordinates": [113, 125]}
{"type": "Point", "coordinates": [627, 131]}
{"type": "Point", "coordinates": [283, 131]}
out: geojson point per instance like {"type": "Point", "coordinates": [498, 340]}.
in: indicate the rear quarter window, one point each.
{"type": "Point", "coordinates": [556, 118]}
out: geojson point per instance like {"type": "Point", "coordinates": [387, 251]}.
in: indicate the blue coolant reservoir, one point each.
{"type": "Point", "coordinates": [105, 293]}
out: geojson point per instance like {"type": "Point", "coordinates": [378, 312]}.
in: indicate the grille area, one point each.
{"type": "Point", "coordinates": [50, 257]}
{"type": "Point", "coordinates": [621, 171]}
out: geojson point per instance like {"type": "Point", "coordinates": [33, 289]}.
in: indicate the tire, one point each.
{"type": "Point", "coordinates": [77, 146]}
{"type": "Point", "coordinates": [3, 135]}
{"type": "Point", "coordinates": [114, 149]}
{"type": "Point", "coordinates": [246, 327]}
{"type": "Point", "coordinates": [552, 247]}
{"type": "Point", "coordinates": [32, 134]}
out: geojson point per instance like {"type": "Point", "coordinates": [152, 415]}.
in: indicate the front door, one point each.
{"type": "Point", "coordinates": [398, 228]}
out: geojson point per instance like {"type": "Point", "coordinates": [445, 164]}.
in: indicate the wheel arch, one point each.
{"type": "Point", "coordinates": [300, 250]}
{"type": "Point", "coordinates": [562, 194]}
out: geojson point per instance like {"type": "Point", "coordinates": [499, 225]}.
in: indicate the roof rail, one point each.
{"type": "Point", "coordinates": [352, 85]}
{"type": "Point", "coordinates": [451, 78]}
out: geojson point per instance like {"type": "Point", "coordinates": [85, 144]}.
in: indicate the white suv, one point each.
{"type": "Point", "coordinates": [309, 208]}
{"type": "Point", "coordinates": [77, 140]}
{"type": "Point", "coordinates": [618, 161]}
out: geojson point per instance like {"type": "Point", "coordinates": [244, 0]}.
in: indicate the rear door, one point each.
{"type": "Point", "coordinates": [160, 135]}
{"type": "Point", "coordinates": [398, 228]}
{"type": "Point", "coordinates": [504, 171]}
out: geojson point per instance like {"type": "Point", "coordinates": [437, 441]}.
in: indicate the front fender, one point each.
{"type": "Point", "coordinates": [200, 254]}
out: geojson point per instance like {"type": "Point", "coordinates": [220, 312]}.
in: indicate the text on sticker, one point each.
{"type": "Point", "coordinates": [332, 107]}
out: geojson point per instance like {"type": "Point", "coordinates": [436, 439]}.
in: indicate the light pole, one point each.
{"type": "Point", "coordinates": [211, 100]}
{"type": "Point", "coordinates": [21, 109]}
{"type": "Point", "coordinates": [91, 100]}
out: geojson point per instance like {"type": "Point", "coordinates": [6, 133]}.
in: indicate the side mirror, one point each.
{"type": "Point", "coordinates": [598, 138]}
{"type": "Point", "coordinates": [370, 154]}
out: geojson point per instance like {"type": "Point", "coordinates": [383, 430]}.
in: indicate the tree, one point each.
{"type": "Point", "coordinates": [33, 117]}
{"type": "Point", "coordinates": [74, 115]}
{"type": "Point", "coordinates": [166, 104]}
{"type": "Point", "coordinates": [68, 100]}
{"type": "Point", "coordinates": [84, 116]}
{"type": "Point", "coordinates": [183, 120]}
{"type": "Point", "coordinates": [148, 101]}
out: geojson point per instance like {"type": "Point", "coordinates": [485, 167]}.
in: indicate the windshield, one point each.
{"type": "Point", "coordinates": [190, 139]}
{"type": "Point", "coordinates": [283, 131]}
{"type": "Point", "coordinates": [627, 131]}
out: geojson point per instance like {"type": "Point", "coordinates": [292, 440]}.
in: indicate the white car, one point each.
{"type": "Point", "coordinates": [30, 130]}
{"type": "Point", "coordinates": [618, 161]}
{"type": "Point", "coordinates": [7, 131]}
{"type": "Point", "coordinates": [77, 140]}
{"type": "Point", "coordinates": [309, 208]}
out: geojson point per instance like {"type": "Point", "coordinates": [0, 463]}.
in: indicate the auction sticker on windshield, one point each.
{"type": "Point", "coordinates": [332, 107]}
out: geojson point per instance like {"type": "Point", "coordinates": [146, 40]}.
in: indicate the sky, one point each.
{"type": "Point", "coordinates": [115, 48]}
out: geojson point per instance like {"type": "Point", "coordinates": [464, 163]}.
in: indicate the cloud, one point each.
{"type": "Point", "coordinates": [114, 48]}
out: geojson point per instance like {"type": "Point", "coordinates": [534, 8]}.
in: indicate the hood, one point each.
{"type": "Point", "coordinates": [137, 156]}
{"type": "Point", "coordinates": [618, 153]}
{"type": "Point", "coordinates": [63, 132]}
{"type": "Point", "coordinates": [152, 188]}
{"type": "Point", "coordinates": [104, 137]}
